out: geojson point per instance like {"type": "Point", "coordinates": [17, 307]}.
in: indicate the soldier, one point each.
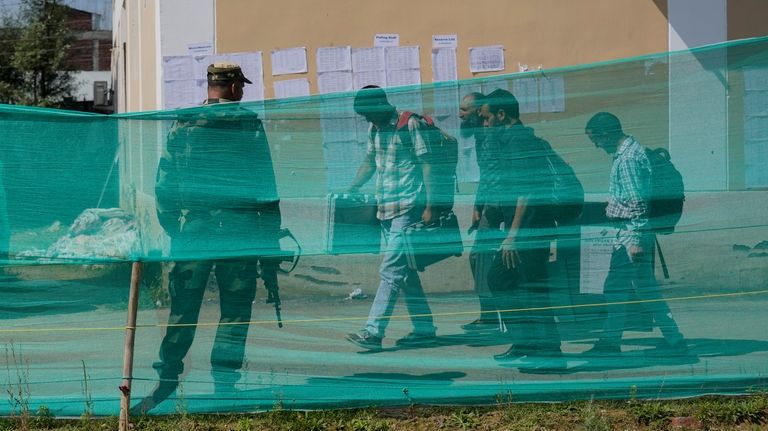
{"type": "Point", "coordinates": [217, 200]}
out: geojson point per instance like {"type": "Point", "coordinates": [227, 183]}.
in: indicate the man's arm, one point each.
{"type": "Point", "coordinates": [364, 172]}
{"type": "Point", "coordinates": [636, 181]}
{"type": "Point", "coordinates": [426, 172]}
{"type": "Point", "coordinates": [509, 254]}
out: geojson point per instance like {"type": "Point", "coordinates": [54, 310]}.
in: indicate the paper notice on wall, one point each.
{"type": "Point", "coordinates": [389, 39]}
{"type": "Point", "coordinates": [334, 59]}
{"type": "Point", "coordinates": [291, 88]}
{"type": "Point", "coordinates": [495, 84]}
{"type": "Point", "coordinates": [402, 57]}
{"type": "Point", "coordinates": [486, 58]}
{"type": "Point", "coordinates": [201, 48]}
{"type": "Point", "coordinates": [445, 41]}
{"type": "Point", "coordinates": [368, 59]}
{"type": "Point", "coordinates": [552, 94]}
{"type": "Point", "coordinates": [288, 61]}
{"type": "Point", "coordinates": [179, 94]}
{"type": "Point", "coordinates": [176, 68]}
{"type": "Point", "coordinates": [334, 82]}
{"type": "Point", "coordinates": [526, 90]}
{"type": "Point", "coordinates": [397, 78]}
{"type": "Point", "coordinates": [596, 249]}
{"type": "Point", "coordinates": [444, 67]}
{"type": "Point", "coordinates": [252, 65]}
{"type": "Point", "coordinates": [373, 77]}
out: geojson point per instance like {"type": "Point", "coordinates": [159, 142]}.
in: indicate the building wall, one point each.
{"type": "Point", "coordinates": [547, 33]}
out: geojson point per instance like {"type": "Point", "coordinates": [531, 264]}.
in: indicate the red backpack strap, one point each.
{"type": "Point", "coordinates": [402, 122]}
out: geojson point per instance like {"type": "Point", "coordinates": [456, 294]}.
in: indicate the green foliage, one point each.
{"type": "Point", "coordinates": [464, 419]}
{"type": "Point", "coordinates": [753, 410]}
{"type": "Point", "coordinates": [35, 48]}
{"type": "Point", "coordinates": [44, 419]}
{"type": "Point", "coordinates": [650, 413]}
{"type": "Point", "coordinates": [595, 419]}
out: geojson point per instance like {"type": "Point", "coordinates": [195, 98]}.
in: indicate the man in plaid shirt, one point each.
{"type": "Point", "coordinates": [399, 159]}
{"type": "Point", "coordinates": [632, 262]}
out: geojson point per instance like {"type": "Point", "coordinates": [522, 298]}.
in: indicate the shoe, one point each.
{"type": "Point", "coordinates": [365, 339]}
{"type": "Point", "coordinates": [603, 348]}
{"type": "Point", "coordinates": [481, 325]}
{"type": "Point", "coordinates": [512, 354]}
{"type": "Point", "coordinates": [160, 393]}
{"type": "Point", "coordinates": [417, 340]}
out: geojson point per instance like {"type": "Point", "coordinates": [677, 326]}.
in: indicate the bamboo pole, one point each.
{"type": "Point", "coordinates": [130, 335]}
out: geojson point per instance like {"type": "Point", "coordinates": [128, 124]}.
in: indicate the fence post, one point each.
{"type": "Point", "coordinates": [130, 334]}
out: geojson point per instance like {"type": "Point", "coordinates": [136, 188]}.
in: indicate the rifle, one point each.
{"type": "Point", "coordinates": [273, 295]}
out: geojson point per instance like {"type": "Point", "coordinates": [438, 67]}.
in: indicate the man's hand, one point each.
{"type": "Point", "coordinates": [635, 252]}
{"type": "Point", "coordinates": [509, 256]}
{"type": "Point", "coordinates": [427, 216]}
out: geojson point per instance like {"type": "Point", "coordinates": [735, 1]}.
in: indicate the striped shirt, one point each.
{"type": "Point", "coordinates": [629, 192]}
{"type": "Point", "coordinates": [399, 180]}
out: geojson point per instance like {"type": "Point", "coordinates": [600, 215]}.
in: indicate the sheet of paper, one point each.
{"type": "Point", "coordinates": [291, 88]}
{"type": "Point", "coordinates": [252, 65]}
{"type": "Point", "coordinates": [373, 77]}
{"type": "Point", "coordinates": [368, 59]}
{"type": "Point", "coordinates": [446, 101]}
{"type": "Point", "coordinates": [177, 68]}
{"type": "Point", "coordinates": [334, 82]}
{"type": "Point", "coordinates": [596, 249]}
{"type": "Point", "coordinates": [444, 66]}
{"type": "Point", "coordinates": [445, 41]}
{"type": "Point", "coordinates": [288, 61]}
{"type": "Point", "coordinates": [179, 94]}
{"type": "Point", "coordinates": [402, 57]}
{"type": "Point", "coordinates": [388, 39]}
{"type": "Point", "coordinates": [486, 58]}
{"type": "Point", "coordinates": [201, 48]}
{"type": "Point", "coordinates": [495, 84]}
{"type": "Point", "coordinates": [552, 94]}
{"type": "Point", "coordinates": [334, 59]}
{"type": "Point", "coordinates": [527, 92]}
{"type": "Point", "coordinates": [397, 78]}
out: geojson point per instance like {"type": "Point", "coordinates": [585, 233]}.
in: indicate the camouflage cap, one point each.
{"type": "Point", "coordinates": [226, 71]}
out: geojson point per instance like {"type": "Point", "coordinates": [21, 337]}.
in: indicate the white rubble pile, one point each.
{"type": "Point", "coordinates": [95, 234]}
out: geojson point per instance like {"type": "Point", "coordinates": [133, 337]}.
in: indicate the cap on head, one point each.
{"type": "Point", "coordinates": [226, 72]}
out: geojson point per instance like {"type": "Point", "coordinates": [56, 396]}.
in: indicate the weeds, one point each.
{"type": "Point", "coordinates": [17, 386]}
{"type": "Point", "coordinates": [594, 419]}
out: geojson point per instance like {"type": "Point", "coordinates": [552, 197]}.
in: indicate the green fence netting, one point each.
{"type": "Point", "coordinates": [545, 282]}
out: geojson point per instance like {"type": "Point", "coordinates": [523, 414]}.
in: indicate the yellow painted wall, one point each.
{"type": "Point", "coordinates": [550, 33]}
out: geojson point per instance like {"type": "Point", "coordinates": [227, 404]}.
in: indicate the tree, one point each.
{"type": "Point", "coordinates": [10, 78]}
{"type": "Point", "coordinates": [40, 53]}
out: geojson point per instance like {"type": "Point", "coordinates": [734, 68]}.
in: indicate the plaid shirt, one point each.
{"type": "Point", "coordinates": [630, 191]}
{"type": "Point", "coordinates": [399, 181]}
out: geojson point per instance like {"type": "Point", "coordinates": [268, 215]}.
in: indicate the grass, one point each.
{"type": "Point", "coordinates": [708, 413]}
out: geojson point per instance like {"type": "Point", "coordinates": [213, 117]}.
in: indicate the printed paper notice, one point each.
{"type": "Point", "coordinates": [334, 82]}
{"type": "Point", "coordinates": [288, 61]}
{"type": "Point", "coordinates": [527, 92]}
{"type": "Point", "coordinates": [179, 94]}
{"type": "Point", "coordinates": [291, 88]}
{"type": "Point", "coordinates": [373, 77]}
{"type": "Point", "coordinates": [389, 39]}
{"type": "Point", "coordinates": [445, 41]}
{"type": "Point", "coordinates": [253, 69]}
{"type": "Point", "coordinates": [402, 57]}
{"type": "Point", "coordinates": [198, 49]}
{"type": "Point", "coordinates": [397, 78]}
{"type": "Point", "coordinates": [334, 59]}
{"type": "Point", "coordinates": [368, 59]}
{"type": "Point", "coordinates": [444, 67]}
{"type": "Point", "coordinates": [552, 94]}
{"type": "Point", "coordinates": [486, 59]}
{"type": "Point", "coordinates": [178, 68]}
{"type": "Point", "coordinates": [596, 249]}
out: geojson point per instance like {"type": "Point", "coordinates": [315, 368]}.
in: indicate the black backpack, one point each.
{"type": "Point", "coordinates": [567, 192]}
{"type": "Point", "coordinates": [667, 192]}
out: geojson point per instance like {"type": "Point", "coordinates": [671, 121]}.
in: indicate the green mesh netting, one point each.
{"type": "Point", "coordinates": [217, 200]}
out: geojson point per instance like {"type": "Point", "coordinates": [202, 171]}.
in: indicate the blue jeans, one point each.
{"type": "Point", "coordinates": [395, 276]}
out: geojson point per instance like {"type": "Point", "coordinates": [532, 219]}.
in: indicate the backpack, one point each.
{"type": "Point", "coordinates": [667, 192]}
{"type": "Point", "coordinates": [444, 157]}
{"type": "Point", "coordinates": [567, 197]}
